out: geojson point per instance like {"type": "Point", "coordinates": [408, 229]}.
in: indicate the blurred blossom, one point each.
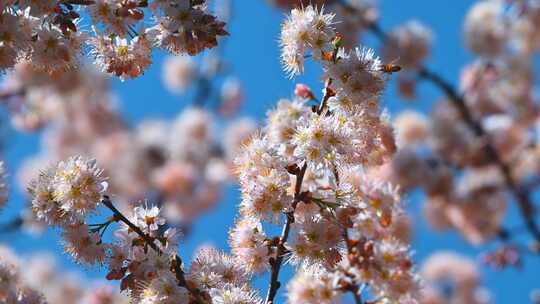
{"type": "Point", "coordinates": [485, 30]}
{"type": "Point", "coordinates": [177, 160]}
{"type": "Point", "coordinates": [407, 169]}
{"type": "Point", "coordinates": [175, 176]}
{"type": "Point", "coordinates": [216, 171]}
{"type": "Point", "coordinates": [411, 127]}
{"type": "Point", "coordinates": [409, 44]}
{"type": "Point", "coordinates": [524, 27]}
{"type": "Point", "coordinates": [192, 135]}
{"type": "Point", "coordinates": [356, 16]}
{"type": "Point", "coordinates": [503, 257]}
{"type": "Point", "coordinates": [103, 294]}
{"type": "Point", "coordinates": [237, 134]}
{"type": "Point", "coordinates": [535, 296]}
{"type": "Point", "coordinates": [39, 98]}
{"type": "Point", "coordinates": [43, 282]}
{"type": "Point", "coordinates": [443, 268]}
{"type": "Point", "coordinates": [231, 97]}
{"type": "Point", "coordinates": [452, 139]}
{"type": "Point", "coordinates": [502, 87]}
{"type": "Point", "coordinates": [407, 87]}
{"type": "Point", "coordinates": [178, 72]}
{"type": "Point", "coordinates": [477, 194]}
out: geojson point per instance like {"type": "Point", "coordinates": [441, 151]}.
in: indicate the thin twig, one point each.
{"type": "Point", "coordinates": [356, 295]}
{"type": "Point", "coordinates": [13, 225]}
{"type": "Point", "coordinates": [5, 95]}
{"type": "Point", "coordinates": [176, 262]}
{"type": "Point", "coordinates": [106, 201]}
{"type": "Point", "coordinates": [521, 195]}
{"type": "Point", "coordinates": [280, 252]}
{"type": "Point", "coordinates": [353, 288]}
{"type": "Point", "coordinates": [327, 95]}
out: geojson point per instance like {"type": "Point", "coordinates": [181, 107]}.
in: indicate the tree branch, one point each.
{"type": "Point", "coordinates": [356, 295]}
{"type": "Point", "coordinates": [280, 252]}
{"type": "Point", "coordinates": [176, 262]}
{"type": "Point", "coordinates": [13, 225]}
{"type": "Point", "coordinates": [521, 195]}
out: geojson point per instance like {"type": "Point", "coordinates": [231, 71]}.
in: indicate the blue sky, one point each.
{"type": "Point", "coordinates": [252, 50]}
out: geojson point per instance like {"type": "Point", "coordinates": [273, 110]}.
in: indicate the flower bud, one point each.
{"type": "Point", "coordinates": [303, 91]}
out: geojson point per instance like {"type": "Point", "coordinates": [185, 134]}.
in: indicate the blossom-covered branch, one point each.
{"type": "Point", "coordinates": [51, 35]}
{"type": "Point", "coordinates": [142, 256]}
{"type": "Point", "coordinates": [520, 194]}
{"type": "Point", "coordinates": [335, 141]}
{"type": "Point", "coordinates": [276, 262]}
{"type": "Point", "coordinates": [176, 261]}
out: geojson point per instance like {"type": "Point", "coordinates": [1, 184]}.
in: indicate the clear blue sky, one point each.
{"type": "Point", "coordinates": [252, 49]}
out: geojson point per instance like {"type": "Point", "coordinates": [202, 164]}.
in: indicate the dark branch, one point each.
{"type": "Point", "coordinates": [280, 252]}
{"type": "Point", "coordinates": [176, 262]}
{"type": "Point", "coordinates": [521, 195]}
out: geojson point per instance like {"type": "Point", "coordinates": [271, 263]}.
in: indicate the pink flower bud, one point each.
{"type": "Point", "coordinates": [303, 91]}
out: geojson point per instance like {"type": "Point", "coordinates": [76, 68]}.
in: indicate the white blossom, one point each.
{"type": "Point", "coordinates": [305, 29]}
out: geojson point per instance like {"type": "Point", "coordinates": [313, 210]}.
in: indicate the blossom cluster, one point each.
{"type": "Point", "coordinates": [407, 45]}
{"type": "Point", "coordinates": [12, 288]}
{"type": "Point", "coordinates": [181, 72]}
{"type": "Point", "coordinates": [355, 16]}
{"type": "Point", "coordinates": [52, 36]}
{"type": "Point", "coordinates": [309, 168]}
{"type": "Point", "coordinates": [142, 253]}
{"type": "Point", "coordinates": [37, 279]}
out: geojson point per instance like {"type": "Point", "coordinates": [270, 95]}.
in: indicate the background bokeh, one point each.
{"type": "Point", "coordinates": [253, 53]}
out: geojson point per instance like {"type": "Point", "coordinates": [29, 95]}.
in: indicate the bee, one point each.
{"type": "Point", "coordinates": [390, 68]}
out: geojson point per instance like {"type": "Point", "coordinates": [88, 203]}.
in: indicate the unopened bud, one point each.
{"type": "Point", "coordinates": [303, 91]}
{"type": "Point", "coordinates": [329, 92]}
{"type": "Point", "coordinates": [368, 247]}
{"type": "Point", "coordinates": [328, 56]}
{"type": "Point", "coordinates": [337, 40]}
{"type": "Point", "coordinates": [352, 243]}
{"type": "Point", "coordinates": [406, 264]}
{"type": "Point", "coordinates": [137, 14]}
{"type": "Point", "coordinates": [122, 12]}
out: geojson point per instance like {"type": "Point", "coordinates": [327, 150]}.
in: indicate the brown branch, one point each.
{"type": "Point", "coordinates": [327, 94]}
{"type": "Point", "coordinates": [280, 252]}
{"type": "Point", "coordinates": [356, 295]}
{"type": "Point", "coordinates": [4, 95]}
{"type": "Point", "coordinates": [176, 261]}
{"type": "Point", "coordinates": [521, 195]}
{"type": "Point", "coordinates": [13, 225]}
{"type": "Point", "coordinates": [353, 288]}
